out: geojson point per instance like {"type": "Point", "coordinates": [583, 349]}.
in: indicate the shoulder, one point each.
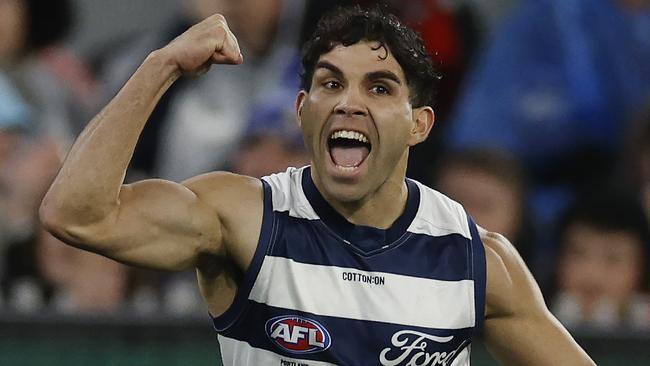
{"type": "Point", "coordinates": [232, 196]}
{"type": "Point", "coordinates": [499, 252]}
{"type": "Point", "coordinates": [438, 214]}
{"type": "Point", "coordinates": [507, 278]}
{"type": "Point", "coordinates": [238, 203]}
{"type": "Point", "coordinates": [223, 186]}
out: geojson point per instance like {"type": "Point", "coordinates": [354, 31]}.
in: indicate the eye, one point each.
{"type": "Point", "coordinates": [380, 89]}
{"type": "Point", "coordinates": [331, 84]}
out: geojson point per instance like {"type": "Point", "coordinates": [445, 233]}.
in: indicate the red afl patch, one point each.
{"type": "Point", "coordinates": [298, 335]}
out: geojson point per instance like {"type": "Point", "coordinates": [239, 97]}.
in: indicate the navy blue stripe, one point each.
{"type": "Point", "coordinates": [478, 267]}
{"type": "Point", "coordinates": [365, 239]}
{"type": "Point", "coordinates": [418, 255]}
{"type": "Point", "coordinates": [353, 342]}
{"type": "Point", "coordinates": [267, 233]}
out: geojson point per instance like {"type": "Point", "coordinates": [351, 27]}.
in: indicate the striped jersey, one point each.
{"type": "Point", "coordinates": [323, 291]}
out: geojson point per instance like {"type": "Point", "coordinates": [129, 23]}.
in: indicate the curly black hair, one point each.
{"type": "Point", "coordinates": [347, 25]}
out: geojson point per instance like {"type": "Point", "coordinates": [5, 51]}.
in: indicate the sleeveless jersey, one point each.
{"type": "Point", "coordinates": [322, 291]}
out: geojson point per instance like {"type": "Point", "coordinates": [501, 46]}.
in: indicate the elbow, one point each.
{"type": "Point", "coordinates": [54, 219]}
{"type": "Point", "coordinates": [48, 215]}
{"type": "Point", "coordinates": [69, 223]}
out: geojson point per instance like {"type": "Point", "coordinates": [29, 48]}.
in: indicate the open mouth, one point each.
{"type": "Point", "coordinates": [348, 149]}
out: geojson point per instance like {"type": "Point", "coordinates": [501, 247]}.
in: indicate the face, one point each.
{"type": "Point", "coordinates": [600, 265]}
{"type": "Point", "coordinates": [358, 122]}
{"type": "Point", "coordinates": [494, 204]}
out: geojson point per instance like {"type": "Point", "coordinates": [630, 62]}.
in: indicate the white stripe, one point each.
{"type": "Point", "coordinates": [238, 353]}
{"type": "Point", "coordinates": [439, 215]}
{"type": "Point", "coordinates": [405, 300]}
{"type": "Point", "coordinates": [288, 195]}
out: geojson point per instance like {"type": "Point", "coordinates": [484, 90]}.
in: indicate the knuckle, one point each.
{"type": "Point", "coordinates": [220, 18]}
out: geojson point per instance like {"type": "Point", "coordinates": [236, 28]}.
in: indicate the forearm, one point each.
{"type": "Point", "coordinates": [86, 190]}
{"type": "Point", "coordinates": [537, 341]}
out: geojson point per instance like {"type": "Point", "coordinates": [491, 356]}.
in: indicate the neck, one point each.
{"type": "Point", "coordinates": [379, 208]}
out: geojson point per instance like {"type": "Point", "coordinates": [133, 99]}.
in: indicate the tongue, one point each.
{"type": "Point", "coordinates": [348, 156]}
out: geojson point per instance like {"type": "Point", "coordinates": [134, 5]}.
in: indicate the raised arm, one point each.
{"type": "Point", "coordinates": [154, 223]}
{"type": "Point", "coordinates": [519, 329]}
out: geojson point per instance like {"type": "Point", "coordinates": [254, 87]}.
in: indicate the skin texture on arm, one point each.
{"type": "Point", "coordinates": [519, 328]}
{"type": "Point", "coordinates": [155, 223]}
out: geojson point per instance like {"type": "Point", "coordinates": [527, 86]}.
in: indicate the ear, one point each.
{"type": "Point", "coordinates": [300, 100]}
{"type": "Point", "coordinates": [423, 119]}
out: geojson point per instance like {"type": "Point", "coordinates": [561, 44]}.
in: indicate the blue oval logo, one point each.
{"type": "Point", "coordinates": [298, 335]}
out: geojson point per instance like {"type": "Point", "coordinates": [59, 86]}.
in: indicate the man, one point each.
{"type": "Point", "coordinates": [345, 262]}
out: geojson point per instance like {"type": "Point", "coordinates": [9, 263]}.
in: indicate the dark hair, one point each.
{"type": "Point", "coordinates": [497, 163]}
{"type": "Point", "coordinates": [351, 24]}
{"type": "Point", "coordinates": [48, 22]}
{"type": "Point", "coordinates": [610, 209]}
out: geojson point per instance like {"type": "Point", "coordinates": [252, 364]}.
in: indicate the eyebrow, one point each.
{"type": "Point", "coordinates": [328, 66]}
{"type": "Point", "coordinates": [383, 74]}
{"type": "Point", "coordinates": [374, 75]}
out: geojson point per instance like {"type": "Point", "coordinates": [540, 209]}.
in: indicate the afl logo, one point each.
{"type": "Point", "coordinates": [298, 335]}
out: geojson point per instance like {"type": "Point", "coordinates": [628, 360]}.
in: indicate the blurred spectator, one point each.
{"type": "Point", "coordinates": [553, 87]}
{"type": "Point", "coordinates": [272, 142]}
{"type": "Point", "coordinates": [602, 271]}
{"type": "Point", "coordinates": [30, 130]}
{"type": "Point", "coordinates": [46, 274]}
{"type": "Point", "coordinates": [43, 96]}
{"type": "Point", "coordinates": [49, 78]}
{"type": "Point", "coordinates": [38, 107]}
{"type": "Point", "coordinates": [198, 122]}
{"type": "Point", "coordinates": [491, 185]}
{"type": "Point", "coordinates": [264, 154]}
{"type": "Point", "coordinates": [550, 83]}
{"type": "Point", "coordinates": [14, 118]}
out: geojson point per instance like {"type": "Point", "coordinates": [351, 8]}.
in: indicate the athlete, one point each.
{"type": "Point", "coordinates": [344, 262]}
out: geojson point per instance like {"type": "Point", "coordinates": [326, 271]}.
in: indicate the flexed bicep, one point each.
{"type": "Point", "coordinates": [157, 224]}
{"type": "Point", "coordinates": [163, 225]}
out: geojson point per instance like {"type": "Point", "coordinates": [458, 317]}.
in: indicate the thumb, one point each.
{"type": "Point", "coordinates": [219, 58]}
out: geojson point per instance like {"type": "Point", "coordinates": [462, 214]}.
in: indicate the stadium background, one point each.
{"type": "Point", "coordinates": [46, 338]}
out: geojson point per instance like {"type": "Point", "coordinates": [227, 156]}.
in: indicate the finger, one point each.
{"type": "Point", "coordinates": [241, 56]}
{"type": "Point", "coordinates": [232, 47]}
{"type": "Point", "coordinates": [229, 52]}
{"type": "Point", "coordinates": [218, 58]}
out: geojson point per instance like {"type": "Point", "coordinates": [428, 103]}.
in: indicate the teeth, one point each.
{"type": "Point", "coordinates": [352, 135]}
{"type": "Point", "coordinates": [347, 168]}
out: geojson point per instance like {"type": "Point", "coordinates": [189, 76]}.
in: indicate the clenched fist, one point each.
{"type": "Point", "coordinates": [206, 43]}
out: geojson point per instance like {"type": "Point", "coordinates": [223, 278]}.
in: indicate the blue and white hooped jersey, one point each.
{"type": "Point", "coordinates": [322, 291]}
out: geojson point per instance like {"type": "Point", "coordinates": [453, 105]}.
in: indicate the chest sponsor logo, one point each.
{"type": "Point", "coordinates": [412, 348]}
{"type": "Point", "coordinates": [298, 335]}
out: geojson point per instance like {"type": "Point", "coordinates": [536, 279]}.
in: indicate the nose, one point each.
{"type": "Point", "coordinates": [351, 104]}
{"type": "Point", "coordinates": [592, 278]}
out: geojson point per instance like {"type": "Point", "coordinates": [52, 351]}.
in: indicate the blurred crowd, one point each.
{"type": "Point", "coordinates": [542, 132]}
